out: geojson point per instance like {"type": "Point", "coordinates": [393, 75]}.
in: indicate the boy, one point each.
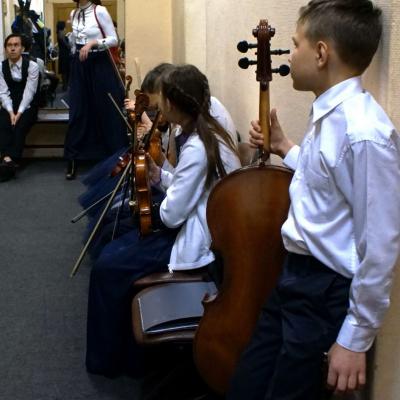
{"type": "Point", "coordinates": [19, 103]}
{"type": "Point", "coordinates": [342, 231]}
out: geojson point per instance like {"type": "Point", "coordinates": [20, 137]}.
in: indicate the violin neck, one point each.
{"type": "Point", "coordinates": [152, 130]}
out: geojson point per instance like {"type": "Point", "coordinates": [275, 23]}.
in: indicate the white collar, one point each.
{"type": "Point", "coordinates": [330, 99]}
{"type": "Point", "coordinates": [18, 63]}
{"type": "Point", "coordinates": [85, 7]}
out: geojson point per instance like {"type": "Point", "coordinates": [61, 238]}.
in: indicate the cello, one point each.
{"type": "Point", "coordinates": [245, 212]}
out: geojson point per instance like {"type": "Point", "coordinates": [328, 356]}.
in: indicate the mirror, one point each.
{"type": "Point", "coordinates": [47, 23]}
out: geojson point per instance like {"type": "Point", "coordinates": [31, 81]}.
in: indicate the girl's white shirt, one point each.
{"type": "Point", "coordinates": [186, 201]}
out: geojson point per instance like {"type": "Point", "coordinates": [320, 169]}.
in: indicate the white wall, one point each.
{"type": "Point", "coordinates": [148, 34]}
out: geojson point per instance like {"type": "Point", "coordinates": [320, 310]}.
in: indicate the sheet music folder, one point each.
{"type": "Point", "coordinates": [174, 306]}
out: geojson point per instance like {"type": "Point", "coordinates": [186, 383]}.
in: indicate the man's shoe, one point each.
{"type": "Point", "coordinates": [7, 170]}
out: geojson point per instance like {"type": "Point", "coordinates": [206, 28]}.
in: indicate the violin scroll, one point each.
{"type": "Point", "coordinates": [128, 80]}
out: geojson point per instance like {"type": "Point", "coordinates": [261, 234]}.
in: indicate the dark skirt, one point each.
{"type": "Point", "coordinates": [95, 130]}
{"type": "Point", "coordinates": [111, 349]}
{"type": "Point", "coordinates": [102, 170]}
{"type": "Point", "coordinates": [100, 182]}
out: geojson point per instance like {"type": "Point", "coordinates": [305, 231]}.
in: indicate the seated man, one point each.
{"type": "Point", "coordinates": [18, 97]}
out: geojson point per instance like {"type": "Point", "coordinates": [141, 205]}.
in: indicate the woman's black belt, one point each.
{"type": "Point", "coordinates": [92, 50]}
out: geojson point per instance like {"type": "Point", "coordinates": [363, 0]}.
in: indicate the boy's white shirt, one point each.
{"type": "Point", "coordinates": [345, 202]}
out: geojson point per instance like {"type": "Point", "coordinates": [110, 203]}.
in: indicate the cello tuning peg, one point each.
{"type": "Point", "coordinates": [244, 63]}
{"type": "Point", "coordinates": [283, 70]}
{"type": "Point", "coordinates": [279, 52]}
{"type": "Point", "coordinates": [244, 46]}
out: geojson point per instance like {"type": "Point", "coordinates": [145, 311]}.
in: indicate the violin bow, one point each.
{"type": "Point", "coordinates": [120, 113]}
{"type": "Point", "coordinates": [115, 68]}
{"type": "Point", "coordinates": [138, 75]}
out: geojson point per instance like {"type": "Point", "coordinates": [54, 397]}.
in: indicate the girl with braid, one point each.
{"type": "Point", "coordinates": [205, 154]}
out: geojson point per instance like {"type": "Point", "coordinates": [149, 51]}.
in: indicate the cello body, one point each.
{"type": "Point", "coordinates": [245, 213]}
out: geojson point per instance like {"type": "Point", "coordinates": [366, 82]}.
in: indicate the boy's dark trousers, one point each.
{"type": "Point", "coordinates": [12, 139]}
{"type": "Point", "coordinates": [300, 321]}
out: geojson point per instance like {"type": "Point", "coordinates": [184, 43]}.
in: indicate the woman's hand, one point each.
{"type": "Point", "coordinates": [154, 171]}
{"type": "Point", "coordinates": [84, 51]}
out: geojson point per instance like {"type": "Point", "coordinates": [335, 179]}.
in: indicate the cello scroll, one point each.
{"type": "Point", "coordinates": [263, 33]}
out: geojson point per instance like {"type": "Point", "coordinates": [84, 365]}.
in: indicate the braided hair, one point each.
{"type": "Point", "coordinates": [187, 88]}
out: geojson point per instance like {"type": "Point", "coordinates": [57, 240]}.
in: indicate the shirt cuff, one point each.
{"type": "Point", "coordinates": [101, 44]}
{"type": "Point", "coordinates": [166, 179]}
{"type": "Point", "coordinates": [8, 107]}
{"type": "Point", "coordinates": [21, 109]}
{"type": "Point", "coordinates": [167, 166]}
{"type": "Point", "coordinates": [291, 157]}
{"type": "Point", "coordinates": [354, 337]}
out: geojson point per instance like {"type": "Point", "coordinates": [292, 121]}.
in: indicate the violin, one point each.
{"type": "Point", "coordinates": [152, 141]}
{"type": "Point", "coordinates": [141, 202]}
{"type": "Point", "coordinates": [255, 200]}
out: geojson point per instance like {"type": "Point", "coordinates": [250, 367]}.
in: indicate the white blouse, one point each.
{"type": "Point", "coordinates": [185, 204]}
{"type": "Point", "coordinates": [86, 28]}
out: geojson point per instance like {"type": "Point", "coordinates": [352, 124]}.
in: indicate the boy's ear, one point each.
{"type": "Point", "coordinates": [322, 53]}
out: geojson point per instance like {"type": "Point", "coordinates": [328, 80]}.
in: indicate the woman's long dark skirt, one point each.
{"type": "Point", "coordinates": [111, 349]}
{"type": "Point", "coordinates": [95, 129]}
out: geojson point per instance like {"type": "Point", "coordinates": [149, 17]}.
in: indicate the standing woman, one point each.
{"type": "Point", "coordinates": [95, 128]}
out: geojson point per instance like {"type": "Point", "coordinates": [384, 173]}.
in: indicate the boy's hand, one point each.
{"type": "Point", "coordinates": [256, 137]}
{"type": "Point", "coordinates": [347, 369]}
{"type": "Point", "coordinates": [280, 143]}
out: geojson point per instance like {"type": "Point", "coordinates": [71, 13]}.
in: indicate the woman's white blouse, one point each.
{"type": "Point", "coordinates": [86, 29]}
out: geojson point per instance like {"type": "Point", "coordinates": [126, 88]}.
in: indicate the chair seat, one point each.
{"type": "Point", "coordinates": [157, 278]}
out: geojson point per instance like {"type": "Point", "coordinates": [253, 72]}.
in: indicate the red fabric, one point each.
{"type": "Point", "coordinates": [114, 51]}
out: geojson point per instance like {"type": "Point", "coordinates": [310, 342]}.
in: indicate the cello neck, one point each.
{"type": "Point", "coordinates": [264, 117]}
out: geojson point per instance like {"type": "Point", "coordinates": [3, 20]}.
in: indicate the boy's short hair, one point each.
{"type": "Point", "coordinates": [354, 26]}
{"type": "Point", "coordinates": [13, 35]}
